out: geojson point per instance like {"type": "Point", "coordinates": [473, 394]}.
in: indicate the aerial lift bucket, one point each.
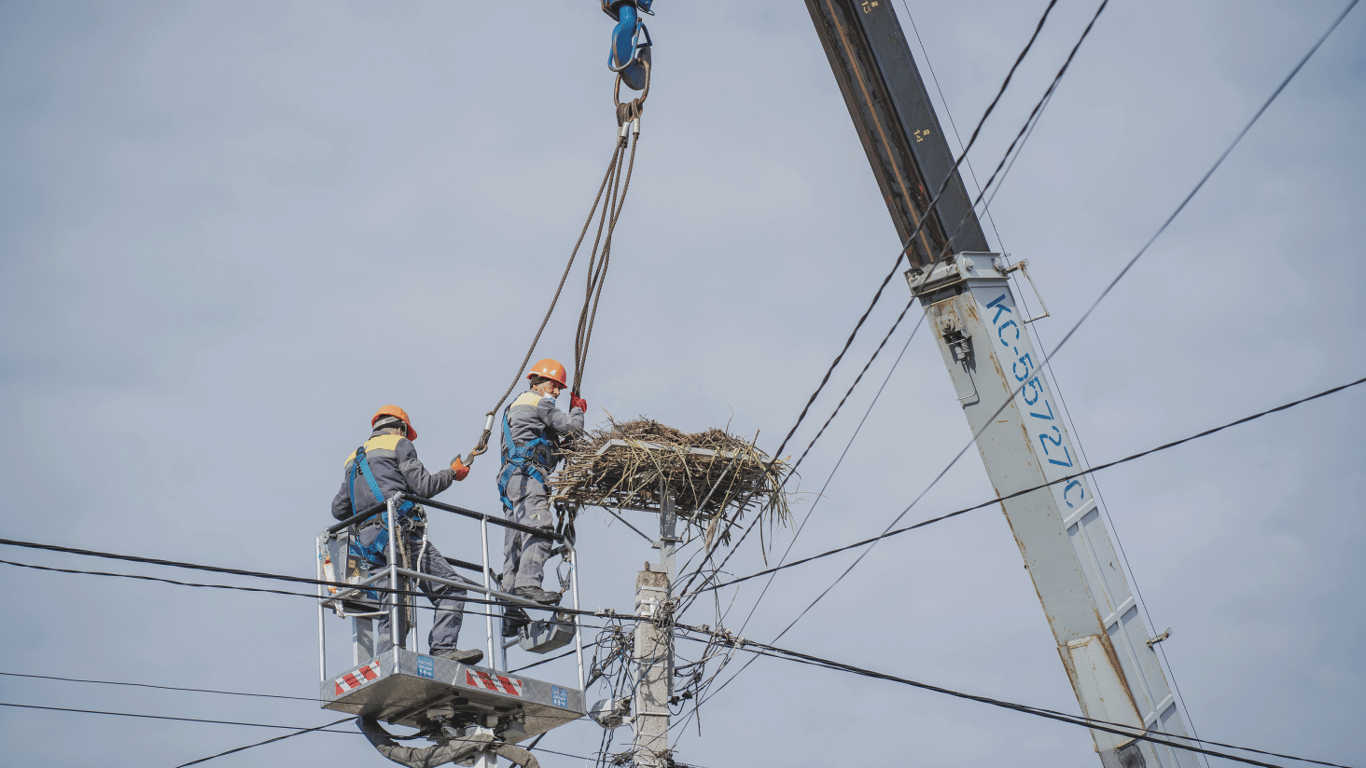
{"type": "Point", "coordinates": [465, 711]}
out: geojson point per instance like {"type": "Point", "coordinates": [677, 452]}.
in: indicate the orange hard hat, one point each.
{"type": "Point", "coordinates": [550, 369]}
{"type": "Point", "coordinates": [398, 413]}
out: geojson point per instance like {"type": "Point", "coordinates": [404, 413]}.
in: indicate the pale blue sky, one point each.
{"type": "Point", "coordinates": [229, 231]}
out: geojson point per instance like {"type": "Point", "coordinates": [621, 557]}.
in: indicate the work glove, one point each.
{"type": "Point", "coordinates": [461, 471]}
{"type": "Point", "coordinates": [577, 402]}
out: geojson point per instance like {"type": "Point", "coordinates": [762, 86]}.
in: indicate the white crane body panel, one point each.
{"type": "Point", "coordinates": [1020, 434]}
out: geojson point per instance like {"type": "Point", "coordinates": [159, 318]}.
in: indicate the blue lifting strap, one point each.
{"type": "Point", "coordinates": [519, 458]}
{"type": "Point", "coordinates": [373, 554]}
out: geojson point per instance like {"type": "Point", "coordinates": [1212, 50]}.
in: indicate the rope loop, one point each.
{"type": "Point", "coordinates": [631, 110]}
{"type": "Point", "coordinates": [606, 209]}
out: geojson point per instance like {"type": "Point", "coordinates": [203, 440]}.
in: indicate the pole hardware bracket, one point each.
{"type": "Point", "coordinates": [959, 343]}
{"type": "Point", "coordinates": [1023, 267]}
{"type": "Point", "coordinates": [1159, 638]}
{"type": "Point", "coordinates": [954, 271]}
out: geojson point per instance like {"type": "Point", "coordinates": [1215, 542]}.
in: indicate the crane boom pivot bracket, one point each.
{"type": "Point", "coordinates": [949, 276]}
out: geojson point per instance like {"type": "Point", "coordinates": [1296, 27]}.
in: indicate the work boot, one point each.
{"type": "Point", "coordinates": [472, 656]}
{"type": "Point", "coordinates": [538, 595]}
{"type": "Point", "coordinates": [514, 619]}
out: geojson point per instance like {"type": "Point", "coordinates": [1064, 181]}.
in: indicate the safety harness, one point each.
{"type": "Point", "coordinates": [532, 458]}
{"type": "Point", "coordinates": [373, 554]}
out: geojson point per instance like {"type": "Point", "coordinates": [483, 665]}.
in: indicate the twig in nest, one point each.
{"type": "Point", "coordinates": [714, 477]}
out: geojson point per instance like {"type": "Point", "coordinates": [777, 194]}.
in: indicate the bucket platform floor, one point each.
{"type": "Point", "coordinates": [400, 686]}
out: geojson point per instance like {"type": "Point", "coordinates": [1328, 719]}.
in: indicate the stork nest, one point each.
{"type": "Point", "coordinates": [713, 476]}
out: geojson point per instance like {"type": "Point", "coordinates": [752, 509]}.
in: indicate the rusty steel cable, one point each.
{"type": "Point", "coordinates": [628, 115]}
{"type": "Point", "coordinates": [599, 261]}
{"type": "Point", "coordinates": [482, 445]}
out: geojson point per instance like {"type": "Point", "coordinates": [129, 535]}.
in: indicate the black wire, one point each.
{"type": "Point", "coordinates": [857, 379]}
{"type": "Point", "coordinates": [703, 686]}
{"type": "Point", "coordinates": [933, 203]}
{"type": "Point", "coordinates": [159, 687]}
{"type": "Point", "coordinates": [952, 123]}
{"type": "Point", "coordinates": [167, 717]}
{"type": "Point", "coordinates": [299, 730]}
{"type": "Point", "coordinates": [569, 652]}
{"type": "Point", "coordinates": [263, 743]}
{"type": "Point", "coordinates": [256, 589]}
{"type": "Point", "coordinates": [253, 574]}
{"type": "Point", "coordinates": [561, 754]}
{"type": "Point", "coordinates": [764, 649]}
{"type": "Point", "coordinates": [1096, 303]}
{"type": "Point", "coordinates": [1027, 128]}
{"type": "Point", "coordinates": [1068, 478]}
{"type": "Point", "coordinates": [924, 218]}
{"type": "Point", "coordinates": [820, 494]}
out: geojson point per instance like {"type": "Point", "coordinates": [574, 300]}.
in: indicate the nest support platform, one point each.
{"type": "Point", "coordinates": [712, 476]}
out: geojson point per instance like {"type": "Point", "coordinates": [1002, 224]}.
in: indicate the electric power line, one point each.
{"type": "Point", "coordinates": [1094, 304]}
{"type": "Point", "coordinates": [764, 649]}
{"type": "Point", "coordinates": [819, 495]}
{"type": "Point", "coordinates": [933, 204]}
{"type": "Point", "coordinates": [601, 612]}
{"type": "Point", "coordinates": [233, 587]}
{"type": "Point", "coordinates": [1023, 132]}
{"type": "Point", "coordinates": [159, 687]}
{"type": "Point", "coordinates": [168, 717]}
{"type": "Point", "coordinates": [263, 743]}
{"type": "Point", "coordinates": [998, 500]}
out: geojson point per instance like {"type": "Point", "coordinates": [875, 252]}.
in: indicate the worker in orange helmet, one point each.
{"type": "Point", "coordinates": [532, 430]}
{"type": "Point", "coordinates": [385, 465]}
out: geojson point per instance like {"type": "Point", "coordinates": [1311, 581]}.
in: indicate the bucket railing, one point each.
{"type": "Point", "coordinates": [345, 597]}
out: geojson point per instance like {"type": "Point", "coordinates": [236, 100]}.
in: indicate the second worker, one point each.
{"type": "Point", "coordinates": [533, 427]}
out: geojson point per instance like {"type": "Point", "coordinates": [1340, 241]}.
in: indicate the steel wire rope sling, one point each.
{"type": "Point", "coordinates": [615, 187]}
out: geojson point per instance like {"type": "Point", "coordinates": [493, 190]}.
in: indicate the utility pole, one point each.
{"type": "Point", "coordinates": [653, 654]}
{"type": "Point", "coordinates": [1015, 419]}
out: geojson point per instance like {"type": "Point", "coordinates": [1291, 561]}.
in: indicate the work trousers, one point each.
{"type": "Point", "coordinates": [524, 555]}
{"type": "Point", "coordinates": [449, 601]}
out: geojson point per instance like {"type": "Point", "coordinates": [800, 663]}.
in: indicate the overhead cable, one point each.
{"type": "Point", "coordinates": [263, 743]}
{"type": "Point", "coordinates": [988, 422]}
{"type": "Point", "coordinates": [921, 224]}
{"type": "Point", "coordinates": [1027, 128]}
{"type": "Point", "coordinates": [305, 595]}
{"type": "Point", "coordinates": [819, 494]}
{"type": "Point", "coordinates": [850, 391]}
{"type": "Point", "coordinates": [764, 649]}
{"type": "Point", "coordinates": [168, 717]}
{"type": "Point", "coordinates": [911, 239]}
{"type": "Point", "coordinates": [601, 612]}
{"type": "Point", "coordinates": [933, 202]}
{"type": "Point", "coordinates": [159, 687]}
{"type": "Point", "coordinates": [998, 500]}
{"type": "Point", "coordinates": [949, 114]}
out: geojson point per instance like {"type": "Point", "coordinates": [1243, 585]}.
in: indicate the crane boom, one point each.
{"type": "Point", "coordinates": [1101, 638]}
{"type": "Point", "coordinates": [897, 125]}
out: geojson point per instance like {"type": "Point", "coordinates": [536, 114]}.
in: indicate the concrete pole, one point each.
{"type": "Point", "coordinates": [654, 663]}
{"type": "Point", "coordinates": [654, 647]}
{"type": "Point", "coordinates": [484, 758]}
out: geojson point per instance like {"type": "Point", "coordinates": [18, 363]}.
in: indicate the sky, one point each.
{"type": "Point", "coordinates": [230, 231]}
